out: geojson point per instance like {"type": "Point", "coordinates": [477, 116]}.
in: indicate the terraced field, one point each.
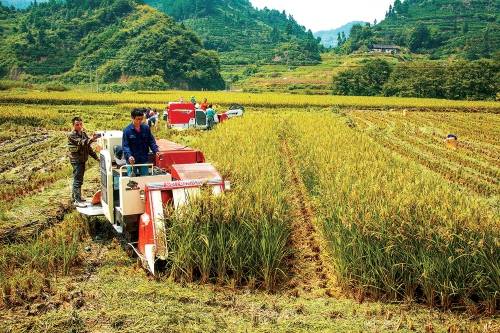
{"type": "Point", "coordinates": [350, 220]}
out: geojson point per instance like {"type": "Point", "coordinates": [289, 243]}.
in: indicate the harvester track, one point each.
{"type": "Point", "coordinates": [311, 274]}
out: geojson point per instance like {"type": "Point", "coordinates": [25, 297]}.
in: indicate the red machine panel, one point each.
{"type": "Point", "coordinates": [146, 231]}
{"type": "Point", "coordinates": [180, 113]}
{"type": "Point", "coordinates": [222, 117]}
{"type": "Point", "coordinates": [172, 153]}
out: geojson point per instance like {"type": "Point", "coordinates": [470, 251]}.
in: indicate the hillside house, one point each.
{"type": "Point", "coordinates": [380, 48]}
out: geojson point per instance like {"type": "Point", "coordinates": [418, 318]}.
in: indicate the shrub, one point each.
{"type": "Point", "coordinates": [114, 87]}
{"type": "Point", "coordinates": [56, 87]}
{"type": "Point", "coordinates": [417, 79]}
{"type": "Point", "coordinates": [474, 80]}
{"type": "Point", "coordinates": [154, 82]}
{"type": "Point", "coordinates": [7, 85]}
{"type": "Point", "coordinates": [367, 80]}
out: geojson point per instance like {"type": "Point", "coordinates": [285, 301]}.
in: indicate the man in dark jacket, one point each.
{"type": "Point", "coordinates": [137, 141]}
{"type": "Point", "coordinates": [79, 152]}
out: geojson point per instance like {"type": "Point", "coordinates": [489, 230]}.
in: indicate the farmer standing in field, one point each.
{"type": "Point", "coordinates": [79, 151]}
{"type": "Point", "coordinates": [204, 105]}
{"type": "Point", "coordinates": [137, 140]}
{"type": "Point", "coordinates": [210, 117]}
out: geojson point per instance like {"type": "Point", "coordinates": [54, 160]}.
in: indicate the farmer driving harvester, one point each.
{"type": "Point", "coordinates": [137, 140]}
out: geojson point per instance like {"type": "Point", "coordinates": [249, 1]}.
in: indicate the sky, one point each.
{"type": "Point", "coordinates": [328, 14]}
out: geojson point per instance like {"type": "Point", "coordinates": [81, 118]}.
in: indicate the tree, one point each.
{"type": "Point", "coordinates": [275, 35]}
{"type": "Point", "coordinates": [390, 12]}
{"type": "Point", "coordinates": [465, 27]}
{"type": "Point", "coordinates": [419, 38]}
{"type": "Point", "coordinates": [367, 80]}
{"type": "Point", "coordinates": [41, 37]}
{"type": "Point", "coordinates": [341, 39]}
{"type": "Point", "coordinates": [476, 80]}
{"type": "Point", "coordinates": [397, 7]}
{"type": "Point", "coordinates": [29, 38]}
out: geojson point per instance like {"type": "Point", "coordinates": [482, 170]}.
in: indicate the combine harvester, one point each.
{"type": "Point", "coordinates": [135, 205]}
{"type": "Point", "coordinates": [183, 116]}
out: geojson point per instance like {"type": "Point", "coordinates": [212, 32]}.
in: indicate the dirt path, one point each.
{"type": "Point", "coordinates": [310, 274]}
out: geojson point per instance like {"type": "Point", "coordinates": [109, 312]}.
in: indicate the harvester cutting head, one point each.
{"type": "Point", "coordinates": [135, 206]}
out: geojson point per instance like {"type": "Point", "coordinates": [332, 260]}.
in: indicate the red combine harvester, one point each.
{"type": "Point", "coordinates": [135, 205]}
{"type": "Point", "coordinates": [181, 115]}
{"type": "Point", "coordinates": [185, 115]}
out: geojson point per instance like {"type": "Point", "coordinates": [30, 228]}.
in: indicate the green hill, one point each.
{"type": "Point", "coordinates": [105, 40]}
{"type": "Point", "coordinates": [243, 34]}
{"type": "Point", "coordinates": [329, 38]}
{"type": "Point", "coordinates": [467, 28]}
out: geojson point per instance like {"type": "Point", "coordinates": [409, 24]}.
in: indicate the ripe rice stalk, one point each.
{"type": "Point", "coordinates": [394, 229]}
{"type": "Point", "coordinates": [26, 269]}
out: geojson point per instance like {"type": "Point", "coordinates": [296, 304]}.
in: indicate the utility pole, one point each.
{"type": "Point", "coordinates": [96, 80]}
{"type": "Point", "coordinates": [90, 77]}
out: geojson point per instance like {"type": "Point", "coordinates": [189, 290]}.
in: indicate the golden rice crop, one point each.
{"type": "Point", "coordinates": [241, 237]}
{"type": "Point", "coordinates": [394, 228]}
{"type": "Point", "coordinates": [247, 99]}
{"type": "Point", "coordinates": [420, 136]}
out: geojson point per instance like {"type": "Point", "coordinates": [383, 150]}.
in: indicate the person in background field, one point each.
{"type": "Point", "coordinates": [204, 105]}
{"type": "Point", "coordinates": [153, 119]}
{"type": "Point", "coordinates": [147, 114]}
{"type": "Point", "coordinates": [210, 117]}
{"type": "Point", "coordinates": [181, 100]}
{"type": "Point", "coordinates": [79, 151]}
{"type": "Point", "coordinates": [193, 100]}
{"type": "Point", "coordinates": [156, 116]}
{"type": "Point", "coordinates": [216, 115]}
{"type": "Point", "coordinates": [137, 141]}
{"type": "Point", "coordinates": [165, 116]}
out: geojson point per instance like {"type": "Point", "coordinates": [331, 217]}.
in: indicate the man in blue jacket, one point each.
{"type": "Point", "coordinates": [137, 140]}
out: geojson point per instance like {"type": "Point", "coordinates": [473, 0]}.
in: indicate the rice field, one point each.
{"type": "Point", "coordinates": [475, 164]}
{"type": "Point", "coordinates": [264, 100]}
{"type": "Point", "coordinates": [332, 202]}
{"type": "Point", "coordinates": [394, 228]}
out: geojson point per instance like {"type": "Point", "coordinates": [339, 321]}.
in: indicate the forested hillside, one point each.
{"type": "Point", "coordinates": [243, 34]}
{"type": "Point", "coordinates": [466, 28]}
{"type": "Point", "coordinates": [106, 41]}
